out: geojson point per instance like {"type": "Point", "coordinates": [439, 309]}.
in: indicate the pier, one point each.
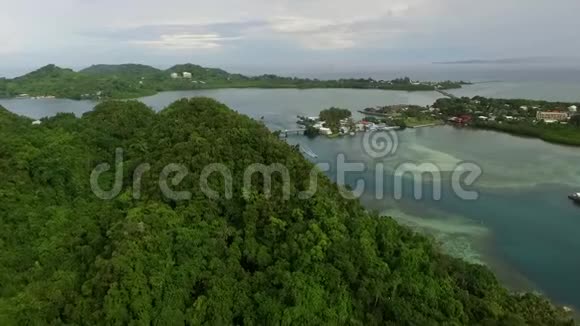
{"type": "Point", "coordinates": [286, 132]}
{"type": "Point", "coordinates": [445, 93]}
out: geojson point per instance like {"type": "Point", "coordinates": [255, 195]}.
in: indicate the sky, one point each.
{"type": "Point", "coordinates": [294, 34]}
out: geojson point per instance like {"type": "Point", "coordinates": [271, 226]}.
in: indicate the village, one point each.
{"type": "Point", "coordinates": [477, 112]}
{"type": "Point", "coordinates": [335, 122]}
{"type": "Point", "coordinates": [479, 109]}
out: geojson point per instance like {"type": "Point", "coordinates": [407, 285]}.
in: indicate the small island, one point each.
{"type": "Point", "coordinates": [335, 122]}
{"type": "Point", "coordinates": [100, 82]}
{"type": "Point", "coordinates": [405, 116]}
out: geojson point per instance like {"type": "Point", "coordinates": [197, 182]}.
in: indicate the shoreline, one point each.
{"type": "Point", "coordinates": [147, 94]}
{"type": "Point", "coordinates": [514, 133]}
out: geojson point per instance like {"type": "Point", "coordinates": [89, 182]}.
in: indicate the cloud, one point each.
{"type": "Point", "coordinates": [289, 31]}
{"type": "Point", "coordinates": [320, 34]}
{"type": "Point", "coordinates": [186, 41]}
{"type": "Point", "coordinates": [172, 37]}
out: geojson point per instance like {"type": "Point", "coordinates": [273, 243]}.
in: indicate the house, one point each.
{"type": "Point", "coordinates": [186, 75]}
{"type": "Point", "coordinates": [552, 115]}
{"type": "Point", "coordinates": [36, 123]}
{"type": "Point", "coordinates": [174, 75]}
{"type": "Point", "coordinates": [325, 131]}
{"type": "Point", "coordinates": [482, 117]}
{"type": "Point", "coordinates": [465, 118]}
{"type": "Point", "coordinates": [573, 108]}
{"type": "Point", "coordinates": [461, 119]}
{"type": "Point", "coordinates": [524, 108]}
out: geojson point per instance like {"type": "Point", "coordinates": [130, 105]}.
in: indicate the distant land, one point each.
{"type": "Point", "coordinates": [124, 81]}
{"type": "Point", "coordinates": [498, 61]}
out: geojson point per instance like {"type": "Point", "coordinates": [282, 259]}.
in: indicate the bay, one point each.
{"type": "Point", "coordinates": [522, 226]}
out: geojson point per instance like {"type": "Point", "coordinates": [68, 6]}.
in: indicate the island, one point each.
{"type": "Point", "coordinates": [336, 122]}
{"type": "Point", "coordinates": [404, 115]}
{"type": "Point", "coordinates": [100, 82]}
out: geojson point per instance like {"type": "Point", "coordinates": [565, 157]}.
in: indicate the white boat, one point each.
{"type": "Point", "coordinates": [575, 197]}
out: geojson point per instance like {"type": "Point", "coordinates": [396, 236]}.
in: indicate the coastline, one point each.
{"type": "Point", "coordinates": [514, 132]}
{"type": "Point", "coordinates": [219, 87]}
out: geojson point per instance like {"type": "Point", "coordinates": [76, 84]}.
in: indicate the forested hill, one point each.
{"type": "Point", "coordinates": [102, 82]}
{"type": "Point", "coordinates": [123, 69]}
{"type": "Point", "coordinates": [67, 257]}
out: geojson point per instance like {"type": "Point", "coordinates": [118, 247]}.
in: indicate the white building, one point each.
{"type": "Point", "coordinates": [325, 131]}
{"type": "Point", "coordinates": [319, 125]}
{"type": "Point", "coordinates": [174, 75]}
{"type": "Point", "coordinates": [186, 75]}
{"type": "Point", "coordinates": [573, 108]}
{"type": "Point", "coordinates": [551, 115]}
{"type": "Point", "coordinates": [37, 122]}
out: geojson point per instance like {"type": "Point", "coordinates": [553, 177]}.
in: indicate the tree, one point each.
{"type": "Point", "coordinates": [69, 257]}
{"type": "Point", "coordinates": [575, 120]}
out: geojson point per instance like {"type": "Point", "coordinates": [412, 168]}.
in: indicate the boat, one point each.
{"type": "Point", "coordinates": [304, 149]}
{"type": "Point", "coordinates": [575, 197]}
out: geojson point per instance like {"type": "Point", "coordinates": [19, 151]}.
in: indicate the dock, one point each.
{"type": "Point", "coordinates": [286, 132]}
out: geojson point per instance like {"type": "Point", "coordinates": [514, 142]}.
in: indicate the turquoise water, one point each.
{"type": "Point", "coordinates": [522, 225]}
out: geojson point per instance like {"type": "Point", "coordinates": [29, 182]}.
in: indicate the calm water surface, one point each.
{"type": "Point", "coordinates": [522, 225]}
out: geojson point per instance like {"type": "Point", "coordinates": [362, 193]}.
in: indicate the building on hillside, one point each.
{"type": "Point", "coordinates": [174, 75]}
{"type": "Point", "coordinates": [552, 116]}
{"type": "Point", "coordinates": [573, 108]}
{"type": "Point", "coordinates": [36, 122]}
{"type": "Point", "coordinates": [186, 75]}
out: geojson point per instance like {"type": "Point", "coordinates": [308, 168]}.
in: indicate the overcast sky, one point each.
{"type": "Point", "coordinates": [289, 33]}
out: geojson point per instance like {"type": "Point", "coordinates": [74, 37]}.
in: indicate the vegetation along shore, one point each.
{"type": "Point", "coordinates": [133, 80]}
{"type": "Point", "coordinates": [556, 122]}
